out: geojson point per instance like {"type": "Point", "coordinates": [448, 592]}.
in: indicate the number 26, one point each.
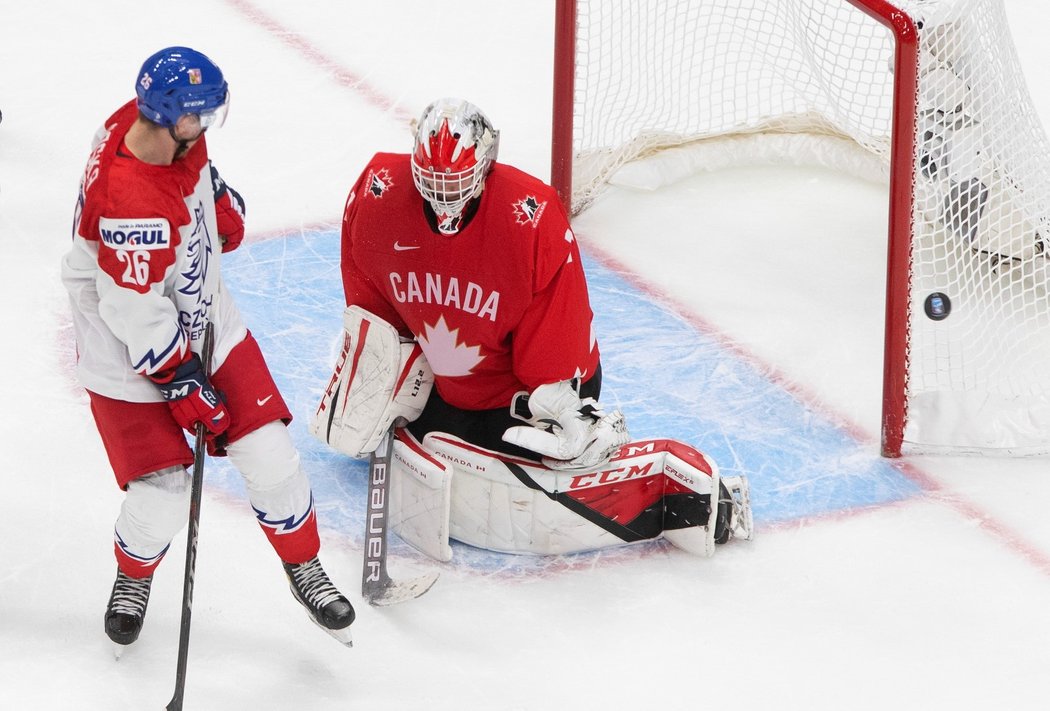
{"type": "Point", "coordinates": [136, 270]}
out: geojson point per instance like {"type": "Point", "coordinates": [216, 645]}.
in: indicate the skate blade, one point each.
{"type": "Point", "coordinates": [400, 591]}
{"type": "Point", "coordinates": [342, 636]}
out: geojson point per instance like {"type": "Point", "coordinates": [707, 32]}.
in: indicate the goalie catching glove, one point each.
{"type": "Point", "coordinates": [569, 432]}
{"type": "Point", "coordinates": [379, 380]}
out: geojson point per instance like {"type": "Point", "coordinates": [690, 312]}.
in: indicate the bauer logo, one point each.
{"type": "Point", "coordinates": [134, 234]}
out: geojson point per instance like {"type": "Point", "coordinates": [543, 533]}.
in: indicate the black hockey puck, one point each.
{"type": "Point", "coordinates": [938, 306]}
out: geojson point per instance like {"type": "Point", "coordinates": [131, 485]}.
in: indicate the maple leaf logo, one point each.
{"type": "Point", "coordinates": [379, 182]}
{"type": "Point", "coordinates": [447, 357]}
{"type": "Point", "coordinates": [529, 210]}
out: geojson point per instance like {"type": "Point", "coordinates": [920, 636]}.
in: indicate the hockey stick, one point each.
{"type": "Point", "coordinates": [196, 486]}
{"type": "Point", "coordinates": [376, 585]}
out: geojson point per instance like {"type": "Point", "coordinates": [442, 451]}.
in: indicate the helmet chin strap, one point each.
{"type": "Point", "coordinates": [182, 144]}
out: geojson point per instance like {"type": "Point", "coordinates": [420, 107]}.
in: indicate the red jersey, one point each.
{"type": "Point", "coordinates": [143, 270]}
{"type": "Point", "coordinates": [499, 307]}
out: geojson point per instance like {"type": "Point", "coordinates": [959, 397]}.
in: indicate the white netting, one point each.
{"type": "Point", "coordinates": [744, 77]}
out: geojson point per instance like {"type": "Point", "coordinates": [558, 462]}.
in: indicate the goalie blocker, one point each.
{"type": "Point", "coordinates": [378, 381]}
{"type": "Point", "coordinates": [444, 488]}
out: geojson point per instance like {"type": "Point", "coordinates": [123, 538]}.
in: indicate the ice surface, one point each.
{"type": "Point", "coordinates": [741, 312]}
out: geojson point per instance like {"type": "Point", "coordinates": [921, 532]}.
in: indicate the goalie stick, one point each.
{"type": "Point", "coordinates": [196, 486]}
{"type": "Point", "coordinates": [376, 585]}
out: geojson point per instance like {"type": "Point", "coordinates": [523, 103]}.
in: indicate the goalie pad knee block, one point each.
{"type": "Point", "coordinates": [649, 489]}
{"type": "Point", "coordinates": [378, 380]}
{"type": "Point", "coordinates": [420, 493]}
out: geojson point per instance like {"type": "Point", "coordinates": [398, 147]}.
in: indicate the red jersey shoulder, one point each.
{"type": "Point", "coordinates": [382, 182]}
{"type": "Point", "coordinates": [529, 209]}
{"type": "Point", "coordinates": [131, 203]}
{"type": "Point", "coordinates": [385, 174]}
{"type": "Point", "coordinates": [95, 184]}
{"type": "Point", "coordinates": [133, 193]}
{"type": "Point", "coordinates": [526, 200]}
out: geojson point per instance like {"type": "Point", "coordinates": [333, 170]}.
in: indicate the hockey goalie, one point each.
{"type": "Point", "coordinates": [468, 330]}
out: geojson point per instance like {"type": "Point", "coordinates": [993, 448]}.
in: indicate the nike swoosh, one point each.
{"type": "Point", "coordinates": [404, 247]}
{"type": "Point", "coordinates": [265, 400]}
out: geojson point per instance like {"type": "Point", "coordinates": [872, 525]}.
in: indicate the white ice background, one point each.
{"type": "Point", "coordinates": [742, 311]}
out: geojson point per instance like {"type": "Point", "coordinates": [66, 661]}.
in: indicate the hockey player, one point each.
{"type": "Point", "coordinates": [473, 263]}
{"type": "Point", "coordinates": [143, 276]}
{"type": "Point", "coordinates": [492, 289]}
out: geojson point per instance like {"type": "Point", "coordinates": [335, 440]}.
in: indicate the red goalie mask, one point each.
{"type": "Point", "coordinates": [455, 146]}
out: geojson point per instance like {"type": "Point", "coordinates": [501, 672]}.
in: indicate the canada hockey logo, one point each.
{"type": "Point", "coordinates": [448, 224]}
{"type": "Point", "coordinates": [379, 181]}
{"type": "Point", "coordinates": [529, 210]}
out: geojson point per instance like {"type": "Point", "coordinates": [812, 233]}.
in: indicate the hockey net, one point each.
{"type": "Point", "coordinates": [928, 94]}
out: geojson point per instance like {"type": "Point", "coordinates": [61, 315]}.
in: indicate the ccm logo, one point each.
{"type": "Point", "coordinates": [609, 476]}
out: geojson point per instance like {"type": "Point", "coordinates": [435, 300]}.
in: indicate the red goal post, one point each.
{"type": "Point", "coordinates": [932, 91]}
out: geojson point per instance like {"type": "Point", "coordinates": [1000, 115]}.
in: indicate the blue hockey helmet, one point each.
{"type": "Point", "coordinates": [180, 80]}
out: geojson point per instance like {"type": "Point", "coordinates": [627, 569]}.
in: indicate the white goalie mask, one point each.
{"type": "Point", "coordinates": [455, 146]}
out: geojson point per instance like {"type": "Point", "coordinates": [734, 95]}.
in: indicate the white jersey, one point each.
{"type": "Point", "coordinates": [143, 273]}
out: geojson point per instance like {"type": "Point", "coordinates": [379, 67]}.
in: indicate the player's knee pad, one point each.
{"type": "Point", "coordinates": [155, 508]}
{"type": "Point", "coordinates": [277, 487]}
{"type": "Point", "coordinates": [266, 457]}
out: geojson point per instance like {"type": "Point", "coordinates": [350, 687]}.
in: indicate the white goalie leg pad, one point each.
{"type": "Point", "coordinates": [493, 509]}
{"type": "Point", "coordinates": [420, 498]}
{"type": "Point", "coordinates": [541, 511]}
{"type": "Point", "coordinates": [377, 380]}
{"type": "Point", "coordinates": [689, 467]}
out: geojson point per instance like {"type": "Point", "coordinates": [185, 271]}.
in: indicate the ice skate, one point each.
{"type": "Point", "coordinates": [734, 510]}
{"type": "Point", "coordinates": [127, 609]}
{"type": "Point", "coordinates": [328, 608]}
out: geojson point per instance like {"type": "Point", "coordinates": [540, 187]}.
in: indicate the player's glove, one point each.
{"type": "Point", "coordinates": [192, 398]}
{"type": "Point", "coordinates": [569, 432]}
{"type": "Point", "coordinates": [229, 212]}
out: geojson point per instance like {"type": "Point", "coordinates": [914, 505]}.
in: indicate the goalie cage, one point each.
{"type": "Point", "coordinates": [928, 94]}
